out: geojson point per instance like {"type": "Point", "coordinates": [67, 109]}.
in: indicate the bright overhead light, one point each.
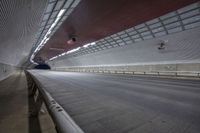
{"type": "Point", "coordinates": [73, 50]}
{"type": "Point", "coordinates": [31, 60]}
{"type": "Point", "coordinates": [69, 8]}
{"type": "Point", "coordinates": [89, 44]}
{"type": "Point", "coordinates": [68, 52]}
{"type": "Point", "coordinates": [93, 43]}
{"type": "Point", "coordinates": [61, 12]}
{"type": "Point", "coordinates": [86, 45]}
{"type": "Point", "coordinates": [45, 39]}
{"type": "Point", "coordinates": [62, 54]}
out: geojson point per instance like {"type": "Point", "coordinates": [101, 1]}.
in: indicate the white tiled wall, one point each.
{"type": "Point", "coordinates": [182, 47]}
{"type": "Point", "coordinates": [6, 71]}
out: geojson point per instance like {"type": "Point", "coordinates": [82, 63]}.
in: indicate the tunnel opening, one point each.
{"type": "Point", "coordinates": [42, 66]}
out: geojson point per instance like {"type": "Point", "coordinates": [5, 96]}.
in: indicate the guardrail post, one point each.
{"type": "Point", "coordinates": [36, 102]}
{"type": "Point", "coordinates": [176, 74]}
{"type": "Point", "coordinates": [32, 90]}
{"type": "Point", "coordinates": [31, 86]}
{"type": "Point", "coordinates": [39, 102]}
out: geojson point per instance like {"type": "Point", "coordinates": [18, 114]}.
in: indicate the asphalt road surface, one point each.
{"type": "Point", "coordinates": [126, 104]}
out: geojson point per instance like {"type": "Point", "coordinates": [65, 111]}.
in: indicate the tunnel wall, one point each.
{"type": "Point", "coordinates": [181, 53]}
{"type": "Point", "coordinates": [6, 70]}
{"type": "Point", "coordinates": [20, 20]}
{"type": "Point", "coordinates": [193, 67]}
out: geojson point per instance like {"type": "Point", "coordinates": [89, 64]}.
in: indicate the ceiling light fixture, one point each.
{"type": "Point", "coordinates": [73, 50]}
{"type": "Point", "coordinates": [46, 38]}
{"type": "Point", "coordinates": [89, 44]}
{"type": "Point", "coordinates": [68, 52]}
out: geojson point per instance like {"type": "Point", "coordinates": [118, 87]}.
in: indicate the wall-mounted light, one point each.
{"type": "Point", "coordinates": [72, 40]}
{"type": "Point", "coordinates": [162, 44]}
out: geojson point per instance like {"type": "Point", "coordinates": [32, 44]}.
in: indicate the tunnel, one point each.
{"type": "Point", "coordinates": [42, 66]}
{"type": "Point", "coordinates": [99, 66]}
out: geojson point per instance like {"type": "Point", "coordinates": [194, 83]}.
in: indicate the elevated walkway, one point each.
{"type": "Point", "coordinates": [16, 105]}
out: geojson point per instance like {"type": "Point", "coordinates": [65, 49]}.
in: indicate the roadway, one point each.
{"type": "Point", "coordinates": [126, 104]}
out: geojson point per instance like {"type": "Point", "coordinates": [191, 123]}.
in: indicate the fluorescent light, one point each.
{"type": "Point", "coordinates": [93, 43]}
{"type": "Point", "coordinates": [31, 60]}
{"type": "Point", "coordinates": [70, 8]}
{"type": "Point", "coordinates": [73, 50]}
{"type": "Point", "coordinates": [86, 45]}
{"type": "Point", "coordinates": [68, 52]}
{"type": "Point", "coordinates": [89, 44]}
{"type": "Point", "coordinates": [53, 58]}
{"type": "Point", "coordinates": [61, 12]}
{"type": "Point", "coordinates": [49, 31]}
{"type": "Point", "coordinates": [62, 54]}
{"type": "Point", "coordinates": [45, 39]}
{"type": "Point", "coordinates": [57, 19]}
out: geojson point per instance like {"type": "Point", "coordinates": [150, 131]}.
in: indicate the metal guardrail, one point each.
{"type": "Point", "coordinates": [154, 73]}
{"type": "Point", "coordinates": [63, 122]}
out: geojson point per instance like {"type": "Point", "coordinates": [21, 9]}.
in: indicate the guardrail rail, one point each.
{"type": "Point", "coordinates": [63, 122]}
{"type": "Point", "coordinates": [195, 74]}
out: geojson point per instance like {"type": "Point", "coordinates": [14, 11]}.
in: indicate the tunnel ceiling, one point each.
{"type": "Point", "coordinates": [19, 22]}
{"type": "Point", "coordinates": [95, 19]}
{"type": "Point", "coordinates": [185, 18]}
